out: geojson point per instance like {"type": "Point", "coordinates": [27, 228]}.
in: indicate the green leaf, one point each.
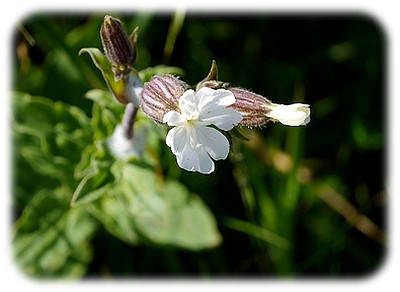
{"type": "Point", "coordinates": [91, 187]}
{"type": "Point", "coordinates": [39, 116]}
{"type": "Point", "coordinates": [96, 181]}
{"type": "Point", "coordinates": [139, 208]}
{"type": "Point", "coordinates": [50, 135]}
{"type": "Point", "coordinates": [106, 113]}
{"type": "Point", "coordinates": [194, 226]}
{"type": "Point", "coordinates": [50, 239]}
{"type": "Point", "coordinates": [118, 88]}
{"type": "Point", "coordinates": [105, 100]}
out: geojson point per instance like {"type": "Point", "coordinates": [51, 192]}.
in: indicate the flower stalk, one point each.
{"type": "Point", "coordinates": [128, 120]}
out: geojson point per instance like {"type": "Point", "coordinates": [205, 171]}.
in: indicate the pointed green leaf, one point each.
{"type": "Point", "coordinates": [118, 88]}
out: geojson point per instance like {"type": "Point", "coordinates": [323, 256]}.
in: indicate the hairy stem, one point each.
{"type": "Point", "coordinates": [128, 120]}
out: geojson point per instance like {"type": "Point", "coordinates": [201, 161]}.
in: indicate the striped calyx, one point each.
{"type": "Point", "coordinates": [161, 95]}
{"type": "Point", "coordinates": [253, 107]}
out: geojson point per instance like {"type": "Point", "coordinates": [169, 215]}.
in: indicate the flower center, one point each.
{"type": "Point", "coordinates": [191, 122]}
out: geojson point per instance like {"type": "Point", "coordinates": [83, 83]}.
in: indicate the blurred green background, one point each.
{"type": "Point", "coordinates": [298, 202]}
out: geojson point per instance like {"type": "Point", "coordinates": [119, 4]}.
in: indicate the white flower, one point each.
{"type": "Point", "coordinates": [192, 140]}
{"type": "Point", "coordinates": [295, 114]}
{"type": "Point", "coordinates": [123, 148]}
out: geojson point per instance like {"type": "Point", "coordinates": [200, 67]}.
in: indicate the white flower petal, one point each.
{"type": "Point", "coordinates": [223, 118]}
{"type": "Point", "coordinates": [177, 139]}
{"type": "Point", "coordinates": [205, 97]}
{"type": "Point", "coordinates": [195, 160]}
{"type": "Point", "coordinates": [169, 139]}
{"type": "Point", "coordinates": [187, 103]}
{"type": "Point", "coordinates": [208, 99]}
{"type": "Point", "coordinates": [188, 158]}
{"type": "Point", "coordinates": [205, 165]}
{"type": "Point", "coordinates": [214, 112]}
{"type": "Point", "coordinates": [173, 118]}
{"type": "Point", "coordinates": [225, 97]}
{"type": "Point", "coordinates": [214, 142]}
{"type": "Point", "coordinates": [192, 141]}
{"type": "Point", "coordinates": [296, 114]}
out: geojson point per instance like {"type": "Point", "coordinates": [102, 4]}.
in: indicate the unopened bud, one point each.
{"type": "Point", "coordinates": [253, 107]}
{"type": "Point", "coordinates": [258, 110]}
{"type": "Point", "coordinates": [161, 95]}
{"type": "Point", "coordinates": [119, 49]}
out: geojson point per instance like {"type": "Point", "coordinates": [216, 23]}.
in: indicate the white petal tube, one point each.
{"type": "Point", "coordinates": [296, 114]}
{"type": "Point", "coordinates": [124, 148]}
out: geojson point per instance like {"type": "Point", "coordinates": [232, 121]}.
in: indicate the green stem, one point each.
{"type": "Point", "coordinates": [173, 32]}
{"type": "Point", "coordinates": [257, 232]}
{"type": "Point", "coordinates": [289, 201]}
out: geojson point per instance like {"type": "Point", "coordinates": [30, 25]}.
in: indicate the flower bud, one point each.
{"type": "Point", "coordinates": [253, 107]}
{"type": "Point", "coordinates": [296, 114]}
{"type": "Point", "coordinates": [258, 110]}
{"type": "Point", "coordinates": [119, 49]}
{"type": "Point", "coordinates": [161, 95]}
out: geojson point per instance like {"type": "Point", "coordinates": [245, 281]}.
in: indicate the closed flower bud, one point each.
{"type": "Point", "coordinates": [253, 107]}
{"type": "Point", "coordinates": [119, 49]}
{"type": "Point", "coordinates": [161, 95]}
